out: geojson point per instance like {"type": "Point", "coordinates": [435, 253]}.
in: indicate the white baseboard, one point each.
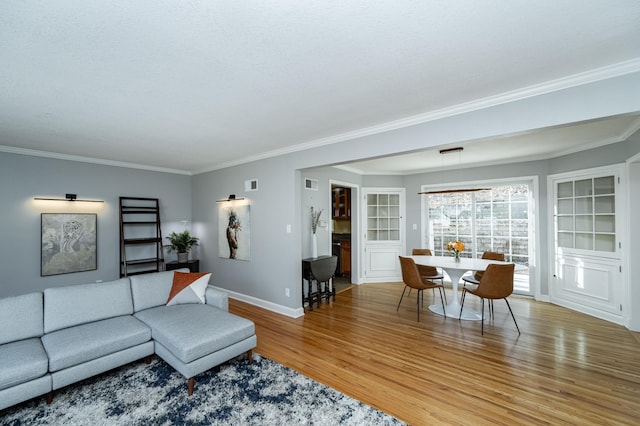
{"type": "Point", "coordinates": [274, 307]}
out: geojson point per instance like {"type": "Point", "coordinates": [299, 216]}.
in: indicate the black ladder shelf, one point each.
{"type": "Point", "coordinates": [140, 236]}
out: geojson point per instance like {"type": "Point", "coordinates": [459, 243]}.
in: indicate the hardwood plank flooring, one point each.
{"type": "Point", "coordinates": [565, 369]}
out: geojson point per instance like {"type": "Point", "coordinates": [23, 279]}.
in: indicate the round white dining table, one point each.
{"type": "Point", "coordinates": [455, 270]}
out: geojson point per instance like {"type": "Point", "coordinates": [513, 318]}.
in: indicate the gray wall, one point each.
{"type": "Point", "coordinates": [25, 177]}
{"type": "Point", "coordinates": [276, 255]}
{"type": "Point", "coordinates": [322, 199]}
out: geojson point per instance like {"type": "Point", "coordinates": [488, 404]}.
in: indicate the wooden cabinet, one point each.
{"type": "Point", "coordinates": [345, 258]}
{"type": "Point", "coordinates": [341, 203]}
{"type": "Point", "coordinates": [193, 265]}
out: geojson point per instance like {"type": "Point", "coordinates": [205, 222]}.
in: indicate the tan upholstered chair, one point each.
{"type": "Point", "coordinates": [496, 283]}
{"type": "Point", "coordinates": [412, 279]}
{"type": "Point", "coordinates": [427, 272]}
{"type": "Point", "coordinates": [475, 278]}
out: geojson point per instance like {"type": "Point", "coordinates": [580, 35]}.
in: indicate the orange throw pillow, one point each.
{"type": "Point", "coordinates": [188, 287]}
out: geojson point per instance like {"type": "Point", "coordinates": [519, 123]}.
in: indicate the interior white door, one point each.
{"type": "Point", "coordinates": [384, 235]}
{"type": "Point", "coordinates": [588, 211]}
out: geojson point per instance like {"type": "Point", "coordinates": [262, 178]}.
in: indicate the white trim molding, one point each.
{"type": "Point", "coordinates": [274, 307]}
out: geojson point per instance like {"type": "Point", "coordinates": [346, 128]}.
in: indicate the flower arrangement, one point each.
{"type": "Point", "coordinates": [315, 218]}
{"type": "Point", "coordinates": [455, 246]}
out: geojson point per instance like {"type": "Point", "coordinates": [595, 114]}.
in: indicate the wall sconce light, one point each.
{"type": "Point", "coordinates": [68, 197]}
{"type": "Point", "coordinates": [232, 197]}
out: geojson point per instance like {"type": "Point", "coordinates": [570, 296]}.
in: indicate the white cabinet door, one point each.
{"type": "Point", "coordinates": [588, 217]}
{"type": "Point", "coordinates": [384, 233]}
{"type": "Point", "coordinates": [589, 284]}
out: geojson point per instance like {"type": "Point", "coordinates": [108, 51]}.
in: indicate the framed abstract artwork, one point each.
{"type": "Point", "coordinates": [68, 243]}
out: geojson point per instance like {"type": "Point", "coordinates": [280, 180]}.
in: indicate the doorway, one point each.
{"type": "Point", "coordinates": [344, 204]}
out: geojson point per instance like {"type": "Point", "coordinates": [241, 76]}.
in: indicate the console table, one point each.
{"type": "Point", "coordinates": [193, 265]}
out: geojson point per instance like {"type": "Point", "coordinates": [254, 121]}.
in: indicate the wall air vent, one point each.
{"type": "Point", "coordinates": [251, 185]}
{"type": "Point", "coordinates": [311, 184]}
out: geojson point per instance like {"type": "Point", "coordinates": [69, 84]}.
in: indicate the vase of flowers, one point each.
{"type": "Point", "coordinates": [456, 247]}
{"type": "Point", "coordinates": [315, 218]}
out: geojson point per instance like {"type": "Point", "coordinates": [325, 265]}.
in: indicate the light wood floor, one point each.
{"type": "Point", "coordinates": [565, 369]}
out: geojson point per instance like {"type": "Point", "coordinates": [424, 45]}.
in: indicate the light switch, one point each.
{"type": "Point", "coordinates": [415, 226]}
{"type": "Point", "coordinates": [288, 228]}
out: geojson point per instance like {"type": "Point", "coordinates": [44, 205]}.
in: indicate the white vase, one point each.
{"type": "Point", "coordinates": [183, 257]}
{"type": "Point", "coordinates": [314, 245]}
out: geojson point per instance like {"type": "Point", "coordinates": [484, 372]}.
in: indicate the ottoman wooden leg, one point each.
{"type": "Point", "coordinates": [250, 356]}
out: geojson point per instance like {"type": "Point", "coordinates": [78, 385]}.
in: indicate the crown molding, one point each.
{"type": "Point", "coordinates": [591, 76]}
{"type": "Point", "coordinates": [57, 156]}
{"type": "Point", "coordinates": [598, 74]}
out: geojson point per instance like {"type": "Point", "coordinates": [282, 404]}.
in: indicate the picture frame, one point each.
{"type": "Point", "coordinates": [234, 231]}
{"type": "Point", "coordinates": [68, 243]}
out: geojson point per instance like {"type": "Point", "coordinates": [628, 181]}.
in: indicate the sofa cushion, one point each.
{"type": "Point", "coordinates": [79, 304]}
{"type": "Point", "coordinates": [22, 361]}
{"type": "Point", "coordinates": [151, 290]}
{"type": "Point", "coordinates": [193, 331]}
{"type": "Point", "coordinates": [21, 317]}
{"type": "Point", "coordinates": [217, 298]}
{"type": "Point", "coordinates": [86, 342]}
{"type": "Point", "coordinates": [188, 287]}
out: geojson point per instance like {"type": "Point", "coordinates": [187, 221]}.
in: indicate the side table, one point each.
{"type": "Point", "coordinates": [323, 292]}
{"type": "Point", "coordinates": [193, 265]}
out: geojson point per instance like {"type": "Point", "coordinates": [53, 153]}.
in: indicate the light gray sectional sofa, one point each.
{"type": "Point", "coordinates": [24, 364]}
{"type": "Point", "coordinates": [67, 334]}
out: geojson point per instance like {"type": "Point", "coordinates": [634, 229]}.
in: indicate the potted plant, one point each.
{"type": "Point", "coordinates": [181, 243]}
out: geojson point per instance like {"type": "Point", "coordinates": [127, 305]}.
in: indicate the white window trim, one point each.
{"type": "Point", "coordinates": [534, 241]}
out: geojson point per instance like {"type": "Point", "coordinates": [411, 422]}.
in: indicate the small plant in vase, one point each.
{"type": "Point", "coordinates": [181, 243]}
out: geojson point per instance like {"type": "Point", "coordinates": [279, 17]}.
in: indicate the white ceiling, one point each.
{"type": "Point", "coordinates": [198, 85]}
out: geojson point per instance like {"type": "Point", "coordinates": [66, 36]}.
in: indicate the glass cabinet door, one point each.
{"type": "Point", "coordinates": [383, 217]}
{"type": "Point", "coordinates": [585, 214]}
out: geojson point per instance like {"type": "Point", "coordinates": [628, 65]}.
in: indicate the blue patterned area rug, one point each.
{"type": "Point", "coordinates": [264, 393]}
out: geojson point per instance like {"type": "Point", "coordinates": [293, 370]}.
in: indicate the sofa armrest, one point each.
{"type": "Point", "coordinates": [217, 298]}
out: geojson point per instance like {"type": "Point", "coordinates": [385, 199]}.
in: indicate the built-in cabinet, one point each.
{"type": "Point", "coordinates": [588, 221]}
{"type": "Point", "coordinates": [341, 215]}
{"type": "Point", "coordinates": [345, 258]}
{"type": "Point", "coordinates": [586, 214]}
{"type": "Point", "coordinates": [341, 203]}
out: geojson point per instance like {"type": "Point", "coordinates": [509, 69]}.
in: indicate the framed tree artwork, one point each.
{"type": "Point", "coordinates": [68, 243]}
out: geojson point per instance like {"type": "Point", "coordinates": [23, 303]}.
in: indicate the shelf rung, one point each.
{"type": "Point", "coordinates": [144, 261]}
{"type": "Point", "coordinates": [132, 241]}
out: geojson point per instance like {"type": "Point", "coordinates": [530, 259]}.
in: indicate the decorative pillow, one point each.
{"type": "Point", "coordinates": [188, 287]}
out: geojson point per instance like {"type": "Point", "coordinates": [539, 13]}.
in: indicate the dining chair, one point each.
{"type": "Point", "coordinates": [412, 279]}
{"type": "Point", "coordinates": [430, 273]}
{"type": "Point", "coordinates": [496, 283]}
{"type": "Point", "coordinates": [475, 277]}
